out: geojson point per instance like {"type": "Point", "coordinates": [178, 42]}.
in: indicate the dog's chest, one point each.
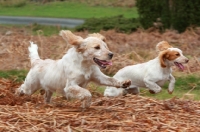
{"type": "Point", "coordinates": [84, 77]}
{"type": "Point", "coordinates": [87, 76]}
{"type": "Point", "coordinates": [161, 81]}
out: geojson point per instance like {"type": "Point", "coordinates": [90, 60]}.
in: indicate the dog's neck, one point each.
{"type": "Point", "coordinates": [168, 65]}
{"type": "Point", "coordinates": [78, 58]}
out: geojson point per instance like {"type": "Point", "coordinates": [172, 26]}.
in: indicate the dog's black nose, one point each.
{"type": "Point", "coordinates": [186, 60]}
{"type": "Point", "coordinates": [110, 55]}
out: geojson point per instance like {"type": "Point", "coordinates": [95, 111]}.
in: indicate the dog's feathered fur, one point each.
{"type": "Point", "coordinates": [152, 74]}
{"type": "Point", "coordinates": [73, 72]}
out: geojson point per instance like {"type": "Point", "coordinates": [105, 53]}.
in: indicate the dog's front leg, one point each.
{"type": "Point", "coordinates": [78, 92]}
{"type": "Point", "coordinates": [171, 84]}
{"type": "Point", "coordinates": [102, 79]}
{"type": "Point", "coordinates": [109, 81]}
{"type": "Point", "coordinates": [153, 87]}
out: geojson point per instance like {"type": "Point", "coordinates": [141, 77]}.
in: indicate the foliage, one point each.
{"type": "Point", "coordinates": [177, 14]}
{"type": "Point", "coordinates": [119, 23]}
{"type": "Point", "coordinates": [148, 11]}
{"type": "Point", "coordinates": [12, 3]}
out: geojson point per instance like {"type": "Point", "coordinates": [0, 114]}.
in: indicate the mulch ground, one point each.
{"type": "Point", "coordinates": [129, 113]}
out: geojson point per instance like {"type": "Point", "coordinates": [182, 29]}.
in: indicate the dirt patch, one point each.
{"type": "Point", "coordinates": [130, 113]}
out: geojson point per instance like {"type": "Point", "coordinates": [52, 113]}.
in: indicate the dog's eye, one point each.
{"type": "Point", "coordinates": [97, 47]}
{"type": "Point", "coordinates": [177, 54]}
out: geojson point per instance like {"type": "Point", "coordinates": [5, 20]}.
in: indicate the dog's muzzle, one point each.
{"type": "Point", "coordinates": [102, 63]}
{"type": "Point", "coordinates": [110, 55]}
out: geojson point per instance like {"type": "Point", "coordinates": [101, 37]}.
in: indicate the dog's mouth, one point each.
{"type": "Point", "coordinates": [102, 63]}
{"type": "Point", "coordinates": [179, 65]}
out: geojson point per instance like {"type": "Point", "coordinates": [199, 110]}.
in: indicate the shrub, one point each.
{"type": "Point", "coordinates": [119, 23]}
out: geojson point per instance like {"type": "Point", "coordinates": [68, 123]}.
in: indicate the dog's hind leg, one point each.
{"type": "Point", "coordinates": [134, 90]}
{"type": "Point", "coordinates": [47, 96]}
{"type": "Point", "coordinates": [79, 93]}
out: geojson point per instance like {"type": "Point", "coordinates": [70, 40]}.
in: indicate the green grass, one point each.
{"type": "Point", "coordinates": [15, 75]}
{"type": "Point", "coordinates": [67, 10]}
{"type": "Point", "coordinates": [184, 84]}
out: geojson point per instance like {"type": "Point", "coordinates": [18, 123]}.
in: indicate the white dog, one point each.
{"type": "Point", "coordinates": [73, 72]}
{"type": "Point", "coordinates": [152, 74]}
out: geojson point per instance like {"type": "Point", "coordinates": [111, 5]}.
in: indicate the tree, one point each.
{"type": "Point", "coordinates": [176, 14]}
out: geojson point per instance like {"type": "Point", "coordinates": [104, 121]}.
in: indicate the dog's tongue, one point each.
{"type": "Point", "coordinates": [106, 62]}
{"type": "Point", "coordinates": [179, 65]}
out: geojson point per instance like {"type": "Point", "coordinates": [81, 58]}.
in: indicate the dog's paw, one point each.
{"type": "Point", "coordinates": [19, 92]}
{"type": "Point", "coordinates": [151, 91]}
{"type": "Point", "coordinates": [154, 91]}
{"type": "Point", "coordinates": [126, 83]}
{"type": "Point", "coordinates": [86, 103]}
{"type": "Point", "coordinates": [170, 92]}
{"type": "Point", "coordinates": [124, 92]}
{"type": "Point", "coordinates": [133, 91]}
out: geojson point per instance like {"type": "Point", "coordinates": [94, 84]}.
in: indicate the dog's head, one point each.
{"type": "Point", "coordinates": [92, 48]}
{"type": "Point", "coordinates": [172, 56]}
{"type": "Point", "coordinates": [163, 45]}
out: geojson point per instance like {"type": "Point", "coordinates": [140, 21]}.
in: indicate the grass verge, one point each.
{"type": "Point", "coordinates": [68, 10]}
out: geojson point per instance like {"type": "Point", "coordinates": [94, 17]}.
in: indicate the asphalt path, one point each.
{"type": "Point", "coordinates": [70, 23]}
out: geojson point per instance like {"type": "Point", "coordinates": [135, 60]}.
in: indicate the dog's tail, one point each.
{"type": "Point", "coordinates": [33, 52]}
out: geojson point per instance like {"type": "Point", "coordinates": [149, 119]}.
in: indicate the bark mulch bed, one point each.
{"type": "Point", "coordinates": [130, 113]}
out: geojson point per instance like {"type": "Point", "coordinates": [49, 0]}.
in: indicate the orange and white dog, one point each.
{"type": "Point", "coordinates": [73, 72]}
{"type": "Point", "coordinates": [152, 74]}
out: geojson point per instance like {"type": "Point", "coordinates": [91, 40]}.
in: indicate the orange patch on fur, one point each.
{"type": "Point", "coordinates": [169, 55]}
{"type": "Point", "coordinates": [172, 55]}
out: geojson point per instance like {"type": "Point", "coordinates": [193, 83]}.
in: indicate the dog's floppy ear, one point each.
{"type": "Point", "coordinates": [163, 45]}
{"type": "Point", "coordinates": [163, 55]}
{"type": "Point", "coordinates": [97, 35]}
{"type": "Point", "coordinates": [71, 38]}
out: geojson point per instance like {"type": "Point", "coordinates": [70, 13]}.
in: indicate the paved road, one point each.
{"type": "Point", "coordinates": [71, 23]}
